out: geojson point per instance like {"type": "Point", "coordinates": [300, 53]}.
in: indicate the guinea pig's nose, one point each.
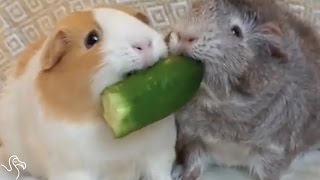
{"type": "Point", "coordinates": [187, 38]}
{"type": "Point", "coordinates": [142, 47]}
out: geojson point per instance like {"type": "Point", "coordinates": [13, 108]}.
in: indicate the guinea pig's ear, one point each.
{"type": "Point", "coordinates": [142, 17]}
{"type": "Point", "coordinates": [55, 49]}
{"type": "Point", "coordinates": [273, 36]}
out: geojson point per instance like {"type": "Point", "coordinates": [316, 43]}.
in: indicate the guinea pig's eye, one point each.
{"type": "Point", "coordinates": [236, 31]}
{"type": "Point", "coordinates": [91, 39]}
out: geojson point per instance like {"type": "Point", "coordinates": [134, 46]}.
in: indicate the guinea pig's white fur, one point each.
{"type": "Point", "coordinates": [51, 117]}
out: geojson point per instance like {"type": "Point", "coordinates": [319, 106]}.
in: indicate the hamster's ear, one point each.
{"type": "Point", "coordinates": [55, 49]}
{"type": "Point", "coordinates": [273, 36]}
{"type": "Point", "coordinates": [142, 17]}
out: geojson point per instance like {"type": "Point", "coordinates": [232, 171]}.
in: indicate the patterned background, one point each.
{"type": "Point", "coordinates": [23, 21]}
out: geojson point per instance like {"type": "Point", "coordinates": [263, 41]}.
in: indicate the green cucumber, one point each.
{"type": "Point", "coordinates": [151, 94]}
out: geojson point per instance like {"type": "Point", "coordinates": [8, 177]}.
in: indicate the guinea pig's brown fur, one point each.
{"type": "Point", "coordinates": [67, 60]}
{"type": "Point", "coordinates": [51, 112]}
{"type": "Point", "coordinates": [33, 47]}
{"type": "Point", "coordinates": [74, 100]}
{"type": "Point", "coordinates": [26, 57]}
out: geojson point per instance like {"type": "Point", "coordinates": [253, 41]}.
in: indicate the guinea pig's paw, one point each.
{"type": "Point", "coordinates": [177, 172]}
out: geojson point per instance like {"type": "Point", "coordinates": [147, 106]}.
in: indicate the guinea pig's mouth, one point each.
{"type": "Point", "coordinates": [131, 73]}
{"type": "Point", "coordinates": [135, 71]}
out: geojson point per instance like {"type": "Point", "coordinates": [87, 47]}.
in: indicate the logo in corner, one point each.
{"type": "Point", "coordinates": [14, 164]}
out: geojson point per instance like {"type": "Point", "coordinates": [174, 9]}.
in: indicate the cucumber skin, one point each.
{"type": "Point", "coordinates": [151, 94]}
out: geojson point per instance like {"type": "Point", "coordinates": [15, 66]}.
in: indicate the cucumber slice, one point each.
{"type": "Point", "coordinates": [151, 94]}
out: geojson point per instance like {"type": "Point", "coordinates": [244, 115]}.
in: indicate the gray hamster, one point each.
{"type": "Point", "coordinates": [259, 106]}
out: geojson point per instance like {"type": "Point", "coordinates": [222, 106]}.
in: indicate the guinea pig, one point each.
{"type": "Point", "coordinates": [259, 104]}
{"type": "Point", "coordinates": [51, 116]}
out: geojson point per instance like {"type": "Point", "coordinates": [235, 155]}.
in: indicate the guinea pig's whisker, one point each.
{"type": "Point", "coordinates": [210, 92]}
{"type": "Point", "coordinates": [102, 65]}
{"type": "Point", "coordinates": [101, 50]}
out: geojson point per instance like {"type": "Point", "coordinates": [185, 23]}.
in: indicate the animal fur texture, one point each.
{"type": "Point", "coordinates": [259, 106]}
{"type": "Point", "coordinates": [51, 116]}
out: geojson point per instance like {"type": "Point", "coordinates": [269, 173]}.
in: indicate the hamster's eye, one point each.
{"type": "Point", "coordinates": [236, 31]}
{"type": "Point", "coordinates": [91, 39]}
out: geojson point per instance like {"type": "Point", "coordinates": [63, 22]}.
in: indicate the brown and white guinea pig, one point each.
{"type": "Point", "coordinates": [51, 115]}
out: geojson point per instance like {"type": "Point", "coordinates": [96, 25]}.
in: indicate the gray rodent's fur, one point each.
{"type": "Point", "coordinates": [262, 109]}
